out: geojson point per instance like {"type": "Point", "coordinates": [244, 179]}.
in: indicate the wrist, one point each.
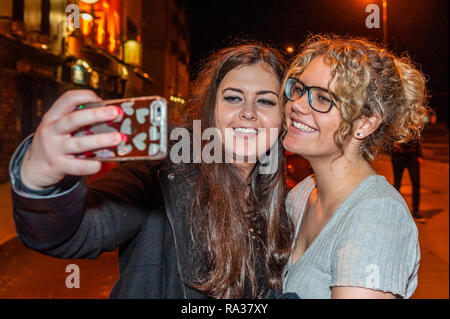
{"type": "Point", "coordinates": [26, 180]}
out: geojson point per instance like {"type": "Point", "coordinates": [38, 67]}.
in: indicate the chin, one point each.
{"type": "Point", "coordinates": [294, 147]}
{"type": "Point", "coordinates": [290, 144]}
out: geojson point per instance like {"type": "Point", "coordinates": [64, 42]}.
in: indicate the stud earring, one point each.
{"type": "Point", "coordinates": [358, 134]}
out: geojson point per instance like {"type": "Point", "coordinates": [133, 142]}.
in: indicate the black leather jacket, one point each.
{"type": "Point", "coordinates": [138, 206]}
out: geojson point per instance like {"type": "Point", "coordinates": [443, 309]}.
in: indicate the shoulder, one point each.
{"type": "Point", "coordinates": [377, 236]}
{"type": "Point", "coordinates": [378, 213]}
{"type": "Point", "coordinates": [377, 200]}
{"type": "Point", "coordinates": [376, 186]}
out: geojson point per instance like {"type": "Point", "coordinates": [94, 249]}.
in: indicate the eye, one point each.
{"type": "Point", "coordinates": [324, 98]}
{"type": "Point", "coordinates": [267, 102]}
{"type": "Point", "coordinates": [297, 89]}
{"type": "Point", "coordinates": [232, 98]}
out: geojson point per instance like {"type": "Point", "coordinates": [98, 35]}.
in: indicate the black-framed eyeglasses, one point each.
{"type": "Point", "coordinates": [319, 98]}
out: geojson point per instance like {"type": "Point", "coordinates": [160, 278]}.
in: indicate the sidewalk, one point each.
{"type": "Point", "coordinates": [7, 228]}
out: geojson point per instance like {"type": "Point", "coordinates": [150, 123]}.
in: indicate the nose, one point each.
{"type": "Point", "coordinates": [248, 113]}
{"type": "Point", "coordinates": [301, 105]}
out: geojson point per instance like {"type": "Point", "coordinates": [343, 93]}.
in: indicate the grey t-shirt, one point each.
{"type": "Point", "coordinates": [371, 241]}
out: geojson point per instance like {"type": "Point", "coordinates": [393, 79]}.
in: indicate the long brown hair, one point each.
{"type": "Point", "coordinates": [242, 242]}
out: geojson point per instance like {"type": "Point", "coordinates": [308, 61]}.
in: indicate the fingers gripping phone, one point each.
{"type": "Point", "coordinates": [143, 124]}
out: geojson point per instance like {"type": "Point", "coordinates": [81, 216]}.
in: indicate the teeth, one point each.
{"type": "Point", "coordinates": [303, 127]}
{"type": "Point", "coordinates": [246, 130]}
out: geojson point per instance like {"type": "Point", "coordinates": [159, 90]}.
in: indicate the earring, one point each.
{"type": "Point", "coordinates": [358, 134]}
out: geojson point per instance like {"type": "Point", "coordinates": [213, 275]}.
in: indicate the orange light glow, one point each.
{"type": "Point", "coordinates": [290, 49]}
{"type": "Point", "coordinates": [86, 26]}
{"type": "Point", "coordinates": [112, 44]}
{"type": "Point", "coordinates": [113, 23]}
{"type": "Point", "coordinates": [100, 35]}
{"type": "Point", "coordinates": [102, 18]}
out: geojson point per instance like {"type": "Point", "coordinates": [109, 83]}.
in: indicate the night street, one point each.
{"type": "Point", "coordinates": [27, 274]}
{"type": "Point", "coordinates": [199, 112]}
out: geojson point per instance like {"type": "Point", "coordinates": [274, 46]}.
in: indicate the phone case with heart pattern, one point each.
{"type": "Point", "coordinates": [143, 123]}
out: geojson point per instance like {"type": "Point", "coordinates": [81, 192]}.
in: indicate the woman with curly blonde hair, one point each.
{"type": "Point", "coordinates": [347, 99]}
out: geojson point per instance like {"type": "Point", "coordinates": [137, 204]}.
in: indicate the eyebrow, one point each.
{"type": "Point", "coordinates": [242, 92]}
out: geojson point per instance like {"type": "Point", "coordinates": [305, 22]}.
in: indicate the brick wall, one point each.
{"type": "Point", "coordinates": [10, 130]}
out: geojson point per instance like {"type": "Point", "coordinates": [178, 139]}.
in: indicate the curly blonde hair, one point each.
{"type": "Point", "coordinates": [369, 80]}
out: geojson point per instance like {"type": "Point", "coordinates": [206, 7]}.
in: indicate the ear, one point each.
{"type": "Point", "coordinates": [365, 126]}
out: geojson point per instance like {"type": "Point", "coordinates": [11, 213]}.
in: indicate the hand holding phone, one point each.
{"type": "Point", "coordinates": [54, 151]}
{"type": "Point", "coordinates": [142, 123]}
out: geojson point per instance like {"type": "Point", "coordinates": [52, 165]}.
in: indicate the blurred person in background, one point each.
{"type": "Point", "coordinates": [409, 156]}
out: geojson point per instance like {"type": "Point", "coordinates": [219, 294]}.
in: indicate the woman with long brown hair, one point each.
{"type": "Point", "coordinates": [184, 230]}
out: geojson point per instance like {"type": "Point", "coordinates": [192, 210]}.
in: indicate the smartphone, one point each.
{"type": "Point", "coordinates": [143, 124]}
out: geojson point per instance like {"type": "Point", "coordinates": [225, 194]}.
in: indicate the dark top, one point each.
{"type": "Point", "coordinates": [140, 207]}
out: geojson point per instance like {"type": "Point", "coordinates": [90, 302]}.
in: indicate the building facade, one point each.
{"type": "Point", "coordinates": [118, 48]}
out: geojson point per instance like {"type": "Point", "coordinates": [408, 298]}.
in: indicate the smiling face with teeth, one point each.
{"type": "Point", "coordinates": [311, 133]}
{"type": "Point", "coordinates": [246, 108]}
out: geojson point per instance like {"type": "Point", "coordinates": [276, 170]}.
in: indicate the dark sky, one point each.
{"type": "Point", "coordinates": [415, 26]}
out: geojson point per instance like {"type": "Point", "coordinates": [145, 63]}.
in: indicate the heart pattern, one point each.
{"type": "Point", "coordinates": [141, 114]}
{"type": "Point", "coordinates": [153, 149]}
{"type": "Point", "coordinates": [146, 142]}
{"type": "Point", "coordinates": [127, 108]}
{"type": "Point", "coordinates": [139, 141]}
{"type": "Point", "coordinates": [124, 149]}
{"type": "Point", "coordinates": [125, 128]}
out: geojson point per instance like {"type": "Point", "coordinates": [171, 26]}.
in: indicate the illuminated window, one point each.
{"type": "Point", "coordinates": [132, 52]}
{"type": "Point", "coordinates": [101, 18]}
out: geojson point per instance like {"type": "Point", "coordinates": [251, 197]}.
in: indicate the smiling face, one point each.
{"type": "Point", "coordinates": [311, 133]}
{"type": "Point", "coordinates": [246, 108]}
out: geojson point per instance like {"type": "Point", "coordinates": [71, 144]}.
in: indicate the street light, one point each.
{"type": "Point", "coordinates": [290, 49]}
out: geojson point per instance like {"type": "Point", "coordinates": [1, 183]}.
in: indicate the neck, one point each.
{"type": "Point", "coordinates": [336, 179]}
